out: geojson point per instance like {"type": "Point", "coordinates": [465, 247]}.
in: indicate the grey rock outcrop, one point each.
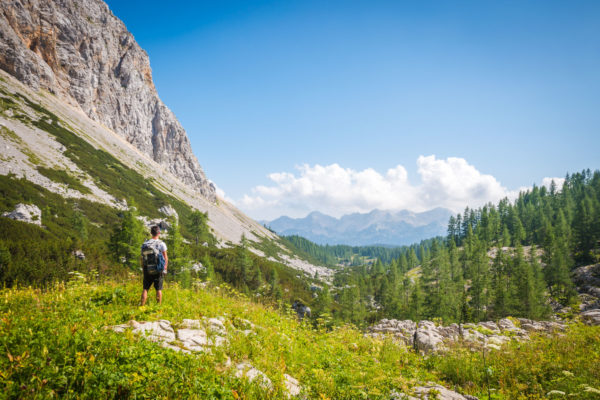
{"type": "Point", "coordinates": [246, 370]}
{"type": "Point", "coordinates": [193, 335]}
{"type": "Point", "coordinates": [428, 337]}
{"type": "Point", "coordinates": [591, 317]}
{"type": "Point", "coordinates": [29, 213]}
{"type": "Point", "coordinates": [291, 385]}
{"type": "Point", "coordinates": [169, 211]}
{"type": "Point", "coordinates": [432, 391]}
{"type": "Point", "coordinates": [81, 52]}
{"type": "Point", "coordinates": [587, 279]}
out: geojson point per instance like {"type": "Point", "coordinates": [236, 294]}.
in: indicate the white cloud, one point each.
{"type": "Point", "coordinates": [451, 183]}
{"type": "Point", "coordinates": [557, 181]}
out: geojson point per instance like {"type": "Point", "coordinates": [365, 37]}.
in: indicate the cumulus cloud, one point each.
{"type": "Point", "coordinates": [557, 181]}
{"type": "Point", "coordinates": [451, 183]}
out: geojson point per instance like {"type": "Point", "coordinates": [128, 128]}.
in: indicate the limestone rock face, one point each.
{"type": "Point", "coordinates": [591, 317]}
{"type": "Point", "coordinates": [432, 391]}
{"type": "Point", "coordinates": [81, 52]}
{"type": "Point", "coordinates": [427, 337]}
{"type": "Point", "coordinates": [29, 213]}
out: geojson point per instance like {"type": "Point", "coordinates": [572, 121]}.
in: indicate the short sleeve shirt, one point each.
{"type": "Point", "coordinates": [159, 243]}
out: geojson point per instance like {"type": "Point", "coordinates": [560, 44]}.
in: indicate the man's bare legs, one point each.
{"type": "Point", "coordinates": [145, 296]}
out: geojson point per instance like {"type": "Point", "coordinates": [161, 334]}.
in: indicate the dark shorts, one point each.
{"type": "Point", "coordinates": [157, 280]}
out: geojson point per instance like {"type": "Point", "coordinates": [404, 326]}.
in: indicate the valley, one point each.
{"type": "Point", "coordinates": [499, 301]}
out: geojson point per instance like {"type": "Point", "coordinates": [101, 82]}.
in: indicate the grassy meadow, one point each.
{"type": "Point", "coordinates": [54, 344]}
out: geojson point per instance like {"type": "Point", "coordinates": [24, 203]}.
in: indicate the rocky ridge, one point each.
{"type": "Point", "coordinates": [426, 336]}
{"type": "Point", "coordinates": [79, 51]}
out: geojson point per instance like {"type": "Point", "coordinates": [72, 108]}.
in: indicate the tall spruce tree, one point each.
{"type": "Point", "coordinates": [127, 237]}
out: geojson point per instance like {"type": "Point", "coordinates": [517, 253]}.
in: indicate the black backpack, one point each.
{"type": "Point", "coordinates": [152, 258]}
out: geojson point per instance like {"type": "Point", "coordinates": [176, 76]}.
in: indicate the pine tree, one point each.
{"type": "Point", "coordinates": [500, 285]}
{"type": "Point", "coordinates": [558, 265]}
{"type": "Point", "coordinates": [210, 269]}
{"type": "Point", "coordinates": [127, 237]}
{"type": "Point", "coordinates": [585, 228]}
{"type": "Point", "coordinates": [415, 311]}
{"type": "Point", "coordinates": [197, 225]}
{"type": "Point", "coordinates": [79, 222]}
{"type": "Point", "coordinates": [177, 250]}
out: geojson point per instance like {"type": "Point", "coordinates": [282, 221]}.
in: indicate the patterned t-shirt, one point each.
{"type": "Point", "coordinates": [160, 245]}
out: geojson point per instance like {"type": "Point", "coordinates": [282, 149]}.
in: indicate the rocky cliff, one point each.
{"type": "Point", "coordinates": [79, 51]}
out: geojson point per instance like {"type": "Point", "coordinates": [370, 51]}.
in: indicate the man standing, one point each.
{"type": "Point", "coordinates": [156, 279]}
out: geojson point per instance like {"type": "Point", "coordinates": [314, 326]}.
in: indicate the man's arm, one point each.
{"type": "Point", "coordinates": [166, 260]}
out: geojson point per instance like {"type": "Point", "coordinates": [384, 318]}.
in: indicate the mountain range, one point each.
{"type": "Point", "coordinates": [379, 227]}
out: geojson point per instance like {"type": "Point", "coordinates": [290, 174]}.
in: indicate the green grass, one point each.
{"type": "Point", "coordinates": [54, 344]}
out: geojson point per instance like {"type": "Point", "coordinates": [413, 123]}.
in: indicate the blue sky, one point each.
{"type": "Point", "coordinates": [506, 92]}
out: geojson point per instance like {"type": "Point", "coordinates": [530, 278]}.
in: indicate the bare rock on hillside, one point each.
{"type": "Point", "coordinates": [426, 336]}
{"type": "Point", "coordinates": [292, 385]}
{"type": "Point", "coordinates": [432, 391]}
{"type": "Point", "coordinates": [81, 52]}
{"type": "Point", "coordinates": [591, 317]}
{"type": "Point", "coordinates": [246, 370]}
{"type": "Point", "coordinates": [29, 213]}
{"type": "Point", "coordinates": [169, 211]}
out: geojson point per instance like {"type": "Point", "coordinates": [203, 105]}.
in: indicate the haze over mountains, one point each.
{"type": "Point", "coordinates": [395, 228]}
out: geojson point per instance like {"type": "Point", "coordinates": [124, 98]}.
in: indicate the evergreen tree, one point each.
{"type": "Point", "coordinates": [500, 285]}
{"type": "Point", "coordinates": [585, 224]}
{"type": "Point", "coordinates": [79, 222]}
{"type": "Point", "coordinates": [127, 237]}
{"type": "Point", "coordinates": [177, 250]}
{"type": "Point", "coordinates": [210, 269]}
{"type": "Point", "coordinates": [197, 225]}
{"type": "Point", "coordinates": [415, 311]}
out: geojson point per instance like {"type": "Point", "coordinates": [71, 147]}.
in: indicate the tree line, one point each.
{"type": "Point", "coordinates": [513, 258]}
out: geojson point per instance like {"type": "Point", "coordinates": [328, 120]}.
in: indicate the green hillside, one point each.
{"type": "Point", "coordinates": [55, 345]}
{"type": "Point", "coordinates": [110, 237]}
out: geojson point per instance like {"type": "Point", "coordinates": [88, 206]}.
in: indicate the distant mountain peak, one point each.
{"type": "Point", "coordinates": [386, 227]}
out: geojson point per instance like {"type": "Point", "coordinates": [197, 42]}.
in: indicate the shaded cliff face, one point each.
{"type": "Point", "coordinates": [78, 50]}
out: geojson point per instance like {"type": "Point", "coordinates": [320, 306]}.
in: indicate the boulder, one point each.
{"type": "Point", "coordinates": [591, 317]}
{"type": "Point", "coordinates": [506, 324]}
{"type": "Point", "coordinates": [427, 337]}
{"type": "Point", "coordinates": [246, 370]}
{"type": "Point", "coordinates": [216, 325]}
{"type": "Point", "coordinates": [191, 324]}
{"type": "Point", "coordinates": [29, 213]}
{"type": "Point", "coordinates": [431, 391]}
{"type": "Point", "coordinates": [301, 309]}
{"type": "Point", "coordinates": [292, 385]}
{"type": "Point", "coordinates": [169, 211]}
{"type": "Point", "coordinates": [79, 254]}
{"type": "Point", "coordinates": [156, 331]}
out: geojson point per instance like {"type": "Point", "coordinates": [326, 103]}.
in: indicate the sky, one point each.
{"type": "Point", "coordinates": [346, 106]}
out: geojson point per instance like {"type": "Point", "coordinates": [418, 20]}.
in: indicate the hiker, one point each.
{"type": "Point", "coordinates": [154, 262]}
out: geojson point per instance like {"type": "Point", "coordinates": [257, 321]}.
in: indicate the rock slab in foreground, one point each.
{"type": "Point", "coordinates": [432, 391]}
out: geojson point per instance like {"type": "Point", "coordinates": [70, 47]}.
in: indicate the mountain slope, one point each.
{"type": "Point", "coordinates": [79, 51]}
{"type": "Point", "coordinates": [377, 227]}
{"type": "Point", "coordinates": [55, 345]}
